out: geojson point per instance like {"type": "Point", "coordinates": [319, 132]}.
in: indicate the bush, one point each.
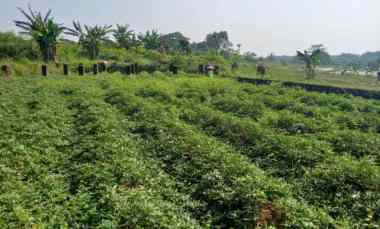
{"type": "Point", "coordinates": [15, 47]}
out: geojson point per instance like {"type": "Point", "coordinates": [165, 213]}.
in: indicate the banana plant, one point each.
{"type": "Point", "coordinates": [125, 37]}
{"type": "Point", "coordinates": [311, 59]}
{"type": "Point", "coordinates": [43, 29]}
{"type": "Point", "coordinates": [90, 37]}
{"type": "Point", "coordinates": [151, 39]}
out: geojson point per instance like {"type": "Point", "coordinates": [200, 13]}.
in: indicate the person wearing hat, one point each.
{"type": "Point", "coordinates": [210, 70]}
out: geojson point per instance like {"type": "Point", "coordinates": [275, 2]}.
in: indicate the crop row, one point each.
{"type": "Point", "coordinates": [67, 163]}
{"type": "Point", "coordinates": [306, 162]}
{"type": "Point", "coordinates": [130, 190]}
{"type": "Point", "coordinates": [185, 153]}
{"type": "Point", "coordinates": [236, 193]}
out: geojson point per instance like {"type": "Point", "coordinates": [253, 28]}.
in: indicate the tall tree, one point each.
{"type": "Point", "coordinates": [250, 56]}
{"type": "Point", "coordinates": [151, 39]}
{"type": "Point", "coordinates": [200, 47]}
{"type": "Point", "coordinates": [218, 41]}
{"type": "Point", "coordinates": [374, 65]}
{"type": "Point", "coordinates": [90, 38]}
{"type": "Point", "coordinates": [43, 29]}
{"type": "Point", "coordinates": [175, 42]}
{"type": "Point", "coordinates": [125, 37]}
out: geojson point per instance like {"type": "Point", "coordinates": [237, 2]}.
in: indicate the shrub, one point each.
{"type": "Point", "coordinates": [15, 47]}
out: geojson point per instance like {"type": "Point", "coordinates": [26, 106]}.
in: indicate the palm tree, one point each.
{"type": "Point", "coordinates": [124, 37]}
{"type": "Point", "coordinates": [311, 59]}
{"type": "Point", "coordinates": [43, 30]}
{"type": "Point", "coordinates": [151, 39]}
{"type": "Point", "coordinates": [90, 38]}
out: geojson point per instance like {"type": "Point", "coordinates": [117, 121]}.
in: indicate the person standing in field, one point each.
{"type": "Point", "coordinates": [210, 70]}
{"type": "Point", "coordinates": [261, 68]}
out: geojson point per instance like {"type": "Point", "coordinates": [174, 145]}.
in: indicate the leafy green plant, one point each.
{"type": "Point", "coordinates": [184, 152]}
{"type": "Point", "coordinates": [90, 38]}
{"type": "Point", "coordinates": [151, 39]}
{"type": "Point", "coordinates": [44, 30]}
{"type": "Point", "coordinates": [125, 37]}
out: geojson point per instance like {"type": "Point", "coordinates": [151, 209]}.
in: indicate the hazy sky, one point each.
{"type": "Point", "coordinates": [262, 26]}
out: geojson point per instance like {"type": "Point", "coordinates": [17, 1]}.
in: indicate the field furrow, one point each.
{"type": "Point", "coordinates": [185, 152]}
{"type": "Point", "coordinates": [234, 190]}
{"type": "Point", "coordinates": [298, 158]}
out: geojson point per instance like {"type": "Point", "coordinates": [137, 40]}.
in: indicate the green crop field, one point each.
{"type": "Point", "coordinates": [145, 124]}
{"type": "Point", "coordinates": [294, 73]}
{"type": "Point", "coordinates": [157, 151]}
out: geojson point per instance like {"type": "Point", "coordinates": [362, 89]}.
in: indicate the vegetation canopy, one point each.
{"type": "Point", "coordinates": [43, 29]}
{"type": "Point", "coordinates": [90, 38]}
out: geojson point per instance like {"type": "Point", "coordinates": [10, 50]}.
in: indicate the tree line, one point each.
{"type": "Point", "coordinates": [46, 32]}
{"type": "Point", "coordinates": [369, 61]}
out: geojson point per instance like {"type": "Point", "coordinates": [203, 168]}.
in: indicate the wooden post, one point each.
{"type": "Point", "coordinates": [95, 69]}
{"type": "Point", "coordinates": [136, 68]}
{"type": "Point", "coordinates": [100, 69]}
{"type": "Point", "coordinates": [102, 66]}
{"type": "Point", "coordinates": [80, 70]}
{"type": "Point", "coordinates": [207, 69]}
{"type": "Point", "coordinates": [173, 69]}
{"type": "Point", "coordinates": [133, 71]}
{"type": "Point", "coordinates": [201, 69]}
{"type": "Point", "coordinates": [44, 70]}
{"type": "Point", "coordinates": [216, 70]}
{"type": "Point", "coordinates": [7, 71]}
{"type": "Point", "coordinates": [66, 71]}
{"type": "Point", "coordinates": [129, 69]}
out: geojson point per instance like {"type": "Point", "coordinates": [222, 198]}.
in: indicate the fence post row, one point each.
{"type": "Point", "coordinates": [101, 67]}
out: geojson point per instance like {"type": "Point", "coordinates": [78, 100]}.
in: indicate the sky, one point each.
{"type": "Point", "coordinates": [262, 26]}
